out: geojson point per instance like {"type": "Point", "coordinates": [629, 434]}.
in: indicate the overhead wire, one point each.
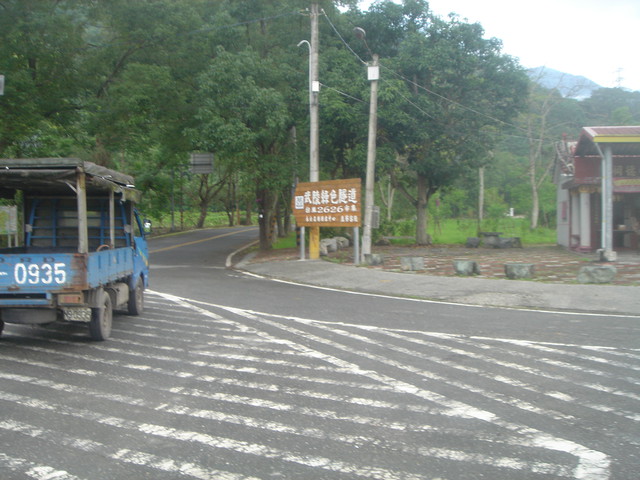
{"type": "Point", "coordinates": [343, 93]}
{"type": "Point", "coordinates": [364, 62]}
{"type": "Point", "coordinates": [342, 38]}
{"type": "Point", "coordinates": [421, 87]}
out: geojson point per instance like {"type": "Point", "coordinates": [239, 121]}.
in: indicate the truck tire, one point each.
{"type": "Point", "coordinates": [135, 305]}
{"type": "Point", "coordinates": [101, 319]}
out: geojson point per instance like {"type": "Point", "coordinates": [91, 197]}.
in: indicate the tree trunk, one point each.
{"type": "Point", "coordinates": [535, 200]}
{"type": "Point", "coordinates": [390, 197]}
{"type": "Point", "coordinates": [387, 196]}
{"type": "Point", "coordinates": [266, 218]}
{"type": "Point", "coordinates": [231, 203]}
{"type": "Point", "coordinates": [203, 214]}
{"type": "Point", "coordinates": [247, 218]}
{"type": "Point", "coordinates": [286, 213]}
{"type": "Point", "coordinates": [422, 237]}
{"type": "Point", "coordinates": [480, 196]}
{"type": "Point", "coordinates": [280, 222]}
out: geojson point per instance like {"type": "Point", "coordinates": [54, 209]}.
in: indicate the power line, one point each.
{"type": "Point", "coordinates": [420, 109]}
{"type": "Point", "coordinates": [342, 39]}
{"type": "Point", "coordinates": [421, 87]}
{"type": "Point", "coordinates": [343, 93]}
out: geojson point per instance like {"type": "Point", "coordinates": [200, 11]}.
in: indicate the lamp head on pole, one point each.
{"type": "Point", "coordinates": [360, 33]}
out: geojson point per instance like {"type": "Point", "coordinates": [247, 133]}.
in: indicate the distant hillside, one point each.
{"type": "Point", "coordinates": [572, 86]}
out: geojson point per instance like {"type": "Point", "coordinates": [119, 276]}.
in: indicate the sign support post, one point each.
{"type": "Point", "coordinates": [331, 203]}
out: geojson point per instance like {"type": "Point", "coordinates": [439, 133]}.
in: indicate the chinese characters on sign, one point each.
{"type": "Point", "coordinates": [332, 203]}
{"type": "Point", "coordinates": [628, 170]}
{"type": "Point", "coordinates": [626, 175]}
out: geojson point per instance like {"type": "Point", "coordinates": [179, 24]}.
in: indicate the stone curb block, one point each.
{"type": "Point", "coordinates": [466, 267]}
{"type": "Point", "coordinates": [516, 271]}
{"type": "Point", "coordinates": [597, 274]}
{"type": "Point", "coordinates": [410, 264]}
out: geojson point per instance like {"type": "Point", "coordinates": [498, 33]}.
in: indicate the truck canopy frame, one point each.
{"type": "Point", "coordinates": [58, 176]}
{"type": "Point", "coordinates": [69, 177]}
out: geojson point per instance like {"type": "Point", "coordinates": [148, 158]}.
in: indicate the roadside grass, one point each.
{"type": "Point", "coordinates": [456, 231]}
{"type": "Point", "coordinates": [290, 241]}
{"type": "Point", "coordinates": [450, 231]}
{"type": "Point", "coordinates": [189, 218]}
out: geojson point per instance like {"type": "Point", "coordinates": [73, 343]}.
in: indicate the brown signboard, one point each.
{"type": "Point", "coordinates": [331, 203]}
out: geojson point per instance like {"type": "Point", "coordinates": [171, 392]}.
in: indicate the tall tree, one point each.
{"type": "Point", "coordinates": [41, 48]}
{"type": "Point", "coordinates": [244, 120]}
{"type": "Point", "coordinates": [458, 89]}
{"type": "Point", "coordinates": [547, 117]}
{"type": "Point", "coordinates": [609, 106]}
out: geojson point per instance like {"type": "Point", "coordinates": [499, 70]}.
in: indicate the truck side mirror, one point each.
{"type": "Point", "coordinates": [146, 224]}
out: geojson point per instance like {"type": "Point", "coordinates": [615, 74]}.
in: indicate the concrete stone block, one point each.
{"type": "Point", "coordinates": [597, 274]}
{"type": "Point", "coordinates": [607, 255]}
{"type": "Point", "coordinates": [466, 267]}
{"type": "Point", "coordinates": [411, 263]}
{"type": "Point", "coordinates": [472, 242]}
{"type": "Point", "coordinates": [491, 239]}
{"type": "Point", "coordinates": [509, 242]}
{"type": "Point", "coordinates": [516, 271]}
{"type": "Point", "coordinates": [342, 242]}
{"type": "Point", "coordinates": [373, 259]}
{"type": "Point", "coordinates": [328, 245]}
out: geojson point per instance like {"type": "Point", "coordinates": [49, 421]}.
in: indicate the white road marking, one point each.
{"type": "Point", "coordinates": [439, 302]}
{"type": "Point", "coordinates": [34, 470]}
{"type": "Point", "coordinates": [255, 359]}
{"type": "Point", "coordinates": [592, 465]}
{"type": "Point", "coordinates": [144, 459]}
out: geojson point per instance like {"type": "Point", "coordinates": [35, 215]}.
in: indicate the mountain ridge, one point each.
{"type": "Point", "coordinates": [570, 86]}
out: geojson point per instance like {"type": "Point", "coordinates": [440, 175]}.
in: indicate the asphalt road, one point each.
{"type": "Point", "coordinates": [231, 376]}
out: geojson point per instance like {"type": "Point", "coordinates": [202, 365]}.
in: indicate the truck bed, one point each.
{"type": "Point", "coordinates": [27, 274]}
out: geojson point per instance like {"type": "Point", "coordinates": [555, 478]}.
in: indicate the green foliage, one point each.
{"type": "Point", "coordinates": [138, 85]}
{"type": "Point", "coordinates": [609, 106]}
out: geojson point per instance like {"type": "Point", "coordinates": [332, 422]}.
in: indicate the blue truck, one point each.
{"type": "Point", "coordinates": [81, 252]}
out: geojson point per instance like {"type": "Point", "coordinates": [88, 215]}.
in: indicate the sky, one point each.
{"type": "Point", "coordinates": [597, 39]}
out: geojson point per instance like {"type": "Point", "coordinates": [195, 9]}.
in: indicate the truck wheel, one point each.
{"type": "Point", "coordinates": [101, 319]}
{"type": "Point", "coordinates": [135, 306]}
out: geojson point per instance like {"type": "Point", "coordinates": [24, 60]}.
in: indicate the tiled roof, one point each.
{"type": "Point", "coordinates": [614, 131]}
{"type": "Point", "coordinates": [624, 140]}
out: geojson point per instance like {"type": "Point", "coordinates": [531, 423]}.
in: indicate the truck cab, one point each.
{"type": "Point", "coordinates": [81, 251]}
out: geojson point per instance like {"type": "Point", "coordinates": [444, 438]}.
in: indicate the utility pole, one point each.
{"type": "Point", "coordinates": [314, 150]}
{"type": "Point", "coordinates": [373, 73]}
{"type": "Point", "coordinates": [480, 197]}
